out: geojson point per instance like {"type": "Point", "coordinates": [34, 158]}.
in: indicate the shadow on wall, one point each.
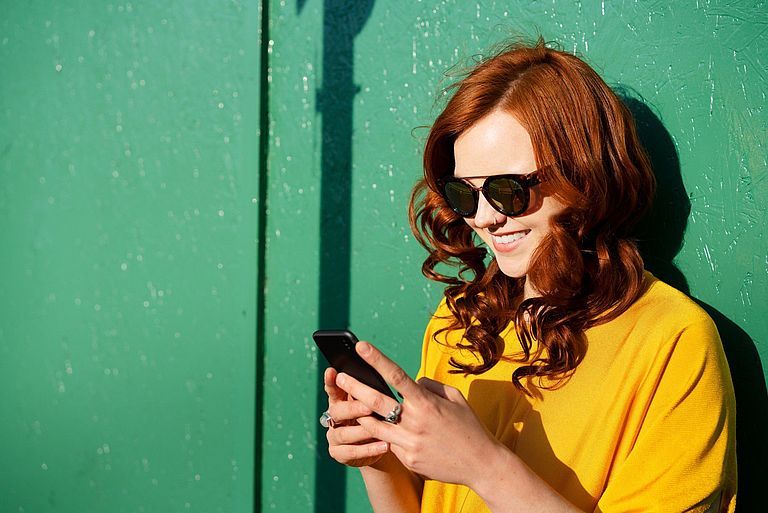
{"type": "Point", "coordinates": [661, 238]}
{"type": "Point", "coordinates": [342, 22]}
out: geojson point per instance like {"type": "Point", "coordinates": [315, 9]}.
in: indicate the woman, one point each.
{"type": "Point", "coordinates": [560, 376]}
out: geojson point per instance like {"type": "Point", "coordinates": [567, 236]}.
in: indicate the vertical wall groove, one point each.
{"type": "Point", "coordinates": [263, 136]}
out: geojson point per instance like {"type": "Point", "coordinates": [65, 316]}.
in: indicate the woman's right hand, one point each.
{"type": "Point", "coordinates": [348, 442]}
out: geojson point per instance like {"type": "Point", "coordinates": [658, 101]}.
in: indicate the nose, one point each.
{"type": "Point", "coordinates": [487, 216]}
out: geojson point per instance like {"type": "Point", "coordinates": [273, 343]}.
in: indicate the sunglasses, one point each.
{"type": "Point", "coordinates": [508, 194]}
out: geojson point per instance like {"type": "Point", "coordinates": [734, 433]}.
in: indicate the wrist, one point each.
{"type": "Point", "coordinates": [383, 464]}
{"type": "Point", "coordinates": [507, 484]}
{"type": "Point", "coordinates": [497, 465]}
{"type": "Point", "coordinates": [391, 486]}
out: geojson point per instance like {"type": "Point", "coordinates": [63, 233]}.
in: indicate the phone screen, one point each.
{"type": "Point", "coordinates": [338, 347]}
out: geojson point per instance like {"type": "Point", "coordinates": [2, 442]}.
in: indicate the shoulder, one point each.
{"type": "Point", "coordinates": [662, 328]}
{"type": "Point", "coordinates": [667, 304]}
{"type": "Point", "coordinates": [665, 314]}
{"type": "Point", "coordinates": [668, 334]}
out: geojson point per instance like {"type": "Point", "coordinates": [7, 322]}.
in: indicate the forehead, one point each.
{"type": "Point", "coordinates": [496, 144]}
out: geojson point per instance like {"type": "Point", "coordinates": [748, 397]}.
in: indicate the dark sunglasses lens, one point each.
{"type": "Point", "coordinates": [460, 197]}
{"type": "Point", "coordinates": [506, 195]}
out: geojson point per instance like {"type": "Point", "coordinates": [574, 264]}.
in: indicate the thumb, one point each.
{"type": "Point", "coordinates": [329, 381]}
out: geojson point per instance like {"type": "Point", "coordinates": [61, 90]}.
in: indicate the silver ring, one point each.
{"type": "Point", "coordinates": [326, 420]}
{"type": "Point", "coordinates": [394, 416]}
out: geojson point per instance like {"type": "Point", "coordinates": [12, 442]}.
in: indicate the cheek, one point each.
{"type": "Point", "coordinates": [541, 221]}
{"type": "Point", "coordinates": [551, 207]}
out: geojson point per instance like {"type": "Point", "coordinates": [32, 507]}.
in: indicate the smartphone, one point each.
{"type": "Point", "coordinates": [338, 347]}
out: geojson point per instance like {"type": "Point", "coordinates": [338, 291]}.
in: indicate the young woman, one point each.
{"type": "Point", "coordinates": [560, 376]}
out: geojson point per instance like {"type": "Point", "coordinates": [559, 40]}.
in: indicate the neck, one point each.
{"type": "Point", "coordinates": [529, 290]}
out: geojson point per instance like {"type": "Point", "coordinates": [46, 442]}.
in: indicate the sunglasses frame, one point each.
{"type": "Point", "coordinates": [524, 181]}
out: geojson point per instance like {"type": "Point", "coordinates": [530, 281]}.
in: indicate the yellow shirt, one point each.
{"type": "Point", "coordinates": [646, 422]}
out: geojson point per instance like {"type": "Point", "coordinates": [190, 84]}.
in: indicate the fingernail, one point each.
{"type": "Point", "coordinates": [363, 348]}
{"type": "Point", "coordinates": [340, 379]}
{"type": "Point", "coordinates": [382, 447]}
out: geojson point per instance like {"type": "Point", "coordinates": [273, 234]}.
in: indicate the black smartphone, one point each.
{"type": "Point", "coordinates": [338, 347]}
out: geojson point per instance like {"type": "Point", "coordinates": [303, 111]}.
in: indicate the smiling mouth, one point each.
{"type": "Point", "coordinates": [510, 237]}
{"type": "Point", "coordinates": [509, 241]}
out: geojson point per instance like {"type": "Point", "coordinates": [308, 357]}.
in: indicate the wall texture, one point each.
{"type": "Point", "coordinates": [134, 342]}
{"type": "Point", "coordinates": [128, 213]}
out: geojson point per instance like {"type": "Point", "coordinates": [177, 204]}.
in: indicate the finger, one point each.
{"type": "Point", "coordinates": [384, 431]}
{"type": "Point", "coordinates": [348, 410]}
{"type": "Point", "coordinates": [348, 453]}
{"type": "Point", "coordinates": [349, 435]}
{"type": "Point", "coordinates": [373, 399]}
{"type": "Point", "coordinates": [389, 370]}
{"type": "Point", "coordinates": [333, 391]}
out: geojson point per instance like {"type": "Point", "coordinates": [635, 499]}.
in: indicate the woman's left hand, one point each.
{"type": "Point", "coordinates": [438, 435]}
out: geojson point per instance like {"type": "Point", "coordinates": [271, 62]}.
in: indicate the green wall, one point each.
{"type": "Point", "coordinates": [164, 265]}
{"type": "Point", "coordinates": [128, 213]}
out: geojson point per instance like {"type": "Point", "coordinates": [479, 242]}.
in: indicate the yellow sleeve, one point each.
{"type": "Point", "coordinates": [684, 457]}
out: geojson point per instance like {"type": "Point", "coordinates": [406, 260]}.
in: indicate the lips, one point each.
{"type": "Point", "coordinates": [507, 242]}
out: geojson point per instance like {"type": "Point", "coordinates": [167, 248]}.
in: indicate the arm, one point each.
{"type": "Point", "coordinates": [440, 437]}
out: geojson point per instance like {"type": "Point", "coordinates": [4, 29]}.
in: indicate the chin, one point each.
{"type": "Point", "coordinates": [512, 269]}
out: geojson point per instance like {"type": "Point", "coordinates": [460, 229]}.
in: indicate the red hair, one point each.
{"type": "Point", "coordinates": [588, 269]}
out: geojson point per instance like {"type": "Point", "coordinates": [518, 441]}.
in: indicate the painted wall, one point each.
{"type": "Point", "coordinates": [145, 219]}
{"type": "Point", "coordinates": [128, 212]}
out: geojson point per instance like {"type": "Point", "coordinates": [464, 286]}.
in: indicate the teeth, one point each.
{"type": "Point", "coordinates": [506, 239]}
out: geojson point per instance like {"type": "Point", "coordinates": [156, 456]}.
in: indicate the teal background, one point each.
{"type": "Point", "coordinates": [129, 208]}
{"type": "Point", "coordinates": [189, 189]}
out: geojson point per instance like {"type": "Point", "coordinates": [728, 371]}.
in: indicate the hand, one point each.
{"type": "Point", "coordinates": [438, 436]}
{"type": "Point", "coordinates": [348, 442]}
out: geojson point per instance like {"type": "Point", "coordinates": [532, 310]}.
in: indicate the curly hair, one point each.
{"type": "Point", "coordinates": [588, 269]}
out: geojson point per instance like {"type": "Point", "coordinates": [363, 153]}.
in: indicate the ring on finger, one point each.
{"type": "Point", "coordinates": [326, 420]}
{"type": "Point", "coordinates": [393, 417]}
